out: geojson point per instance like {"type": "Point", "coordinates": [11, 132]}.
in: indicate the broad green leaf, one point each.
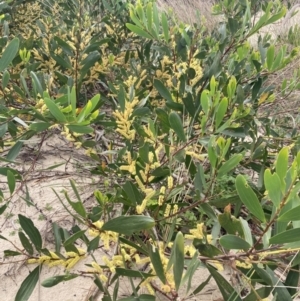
{"type": "Point", "coordinates": [88, 63]}
{"type": "Point", "coordinates": [52, 281]}
{"type": "Point", "coordinates": [249, 198]}
{"type": "Point", "coordinates": [270, 56]}
{"type": "Point", "coordinates": [164, 23]}
{"type": "Point", "coordinates": [220, 112]}
{"type": "Point", "coordinates": [57, 237]}
{"type": "Point", "coordinates": [227, 291]}
{"type": "Point", "coordinates": [149, 14]}
{"type": "Point", "coordinates": [5, 79]}
{"type": "Point", "coordinates": [11, 181]}
{"type": "Point", "coordinates": [292, 280]}
{"type": "Point", "coordinates": [93, 244]}
{"type": "Point", "coordinates": [291, 235]}
{"type": "Point", "coordinates": [262, 292]}
{"type": "Point", "coordinates": [247, 231]}
{"type": "Point", "coordinates": [178, 265]}
{"type": "Point", "coordinates": [135, 246]}
{"type": "Point", "coordinates": [36, 83]}
{"type": "Point", "coordinates": [74, 237]}
{"type": "Point", "coordinates": [273, 187]}
{"type": "Point", "coordinates": [162, 90]}
{"type": "Point", "coordinates": [133, 273]}
{"type": "Point", "coordinates": [212, 155]}
{"type": "Point", "coordinates": [233, 242]}
{"type": "Point", "coordinates": [3, 208]}
{"type": "Point", "coordinates": [28, 285]}
{"type": "Point", "coordinates": [206, 249]}
{"type": "Point", "coordinates": [156, 262]}
{"type": "Point", "coordinates": [230, 164]}
{"type": "Point", "coordinates": [263, 274]}
{"type": "Point", "coordinates": [142, 297]}
{"type": "Point", "coordinates": [230, 223]}
{"type": "Point", "coordinates": [32, 232]}
{"type": "Point", "coordinates": [201, 286]}
{"type": "Point", "coordinates": [26, 243]}
{"type": "Point", "coordinates": [14, 151]}
{"type": "Point", "coordinates": [176, 125]}
{"type": "Point", "coordinates": [282, 163]}
{"type": "Point", "coordinates": [9, 53]}
{"type": "Point", "coordinates": [77, 206]}
{"type": "Point", "coordinates": [129, 224]}
{"type": "Point", "coordinates": [139, 31]}
{"type": "Point", "coordinates": [39, 126]}
{"type": "Point", "coordinates": [55, 111]}
{"type": "Point", "coordinates": [9, 253]}
{"type": "Point", "coordinates": [291, 215]}
{"type": "Point", "coordinates": [205, 102]}
{"type": "Point", "coordinates": [81, 129]}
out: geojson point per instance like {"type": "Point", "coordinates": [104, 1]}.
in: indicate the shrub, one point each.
{"type": "Point", "coordinates": [202, 179]}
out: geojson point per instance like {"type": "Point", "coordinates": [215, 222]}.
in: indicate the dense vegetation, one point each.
{"type": "Point", "coordinates": [202, 176]}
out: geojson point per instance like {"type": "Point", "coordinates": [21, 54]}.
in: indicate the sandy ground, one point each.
{"type": "Point", "coordinates": [47, 209]}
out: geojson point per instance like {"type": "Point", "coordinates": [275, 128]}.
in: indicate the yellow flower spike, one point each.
{"type": "Point", "coordinates": [167, 211]}
{"type": "Point", "coordinates": [139, 182]}
{"type": "Point", "coordinates": [170, 182]}
{"type": "Point", "coordinates": [32, 260]}
{"type": "Point", "coordinates": [72, 254]}
{"type": "Point", "coordinates": [56, 263]}
{"type": "Point", "coordinates": [53, 255]}
{"type": "Point", "coordinates": [98, 224]}
{"type": "Point", "coordinates": [73, 262]}
{"type": "Point", "coordinates": [103, 278]}
{"type": "Point", "coordinates": [97, 267]}
{"type": "Point", "coordinates": [166, 288]}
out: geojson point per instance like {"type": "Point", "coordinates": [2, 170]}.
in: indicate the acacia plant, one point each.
{"type": "Point", "coordinates": [201, 179]}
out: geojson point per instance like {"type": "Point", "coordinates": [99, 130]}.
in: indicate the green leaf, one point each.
{"type": "Point", "coordinates": [36, 83]}
{"type": "Point", "coordinates": [26, 243]}
{"type": "Point", "coordinates": [282, 163]}
{"type": "Point", "coordinates": [5, 79]}
{"type": "Point", "coordinates": [81, 129]}
{"type": "Point", "coordinates": [232, 242]}
{"type": "Point", "coordinates": [157, 263]}
{"type": "Point", "coordinates": [247, 231]}
{"type": "Point", "coordinates": [221, 110]}
{"type": "Point", "coordinates": [57, 237]}
{"type": "Point", "coordinates": [39, 126]}
{"type": "Point", "coordinates": [9, 53]}
{"type": "Point", "coordinates": [14, 151]}
{"type": "Point", "coordinates": [129, 224]}
{"type": "Point", "coordinates": [291, 235]}
{"type": "Point", "coordinates": [11, 181]}
{"type": "Point", "coordinates": [227, 291]}
{"type": "Point", "coordinates": [9, 253]}
{"type": "Point", "coordinates": [164, 23]}
{"type": "Point", "coordinates": [133, 273]}
{"type": "Point", "coordinates": [290, 215]}
{"type": "Point", "coordinates": [162, 90]}
{"type": "Point", "coordinates": [142, 297]}
{"type": "Point", "coordinates": [52, 281]}
{"type": "Point", "coordinates": [263, 274]}
{"type": "Point", "coordinates": [262, 292]}
{"type": "Point", "coordinates": [178, 266]}
{"type": "Point", "coordinates": [3, 208]}
{"type": "Point", "coordinates": [273, 187]}
{"type": "Point", "coordinates": [205, 102]}
{"type": "Point", "coordinates": [230, 164]}
{"type": "Point", "coordinates": [32, 232]}
{"type": "Point", "coordinates": [77, 206]}
{"type": "Point", "coordinates": [93, 244]}
{"type": "Point", "coordinates": [28, 285]}
{"type": "Point", "coordinates": [55, 111]}
{"type": "Point", "coordinates": [292, 280]}
{"type": "Point", "coordinates": [270, 56]}
{"type": "Point", "coordinates": [249, 198]}
{"type": "Point", "coordinates": [176, 125]}
{"type": "Point", "coordinates": [139, 31]}
{"type": "Point", "coordinates": [74, 237]}
{"type": "Point", "coordinates": [89, 62]}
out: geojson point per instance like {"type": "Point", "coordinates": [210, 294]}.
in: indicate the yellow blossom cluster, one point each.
{"type": "Point", "coordinates": [69, 262]}
{"type": "Point", "coordinates": [106, 236]}
{"type": "Point", "coordinates": [124, 120]}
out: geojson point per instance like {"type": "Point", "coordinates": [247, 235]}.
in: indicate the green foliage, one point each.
{"type": "Point", "coordinates": [184, 105]}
